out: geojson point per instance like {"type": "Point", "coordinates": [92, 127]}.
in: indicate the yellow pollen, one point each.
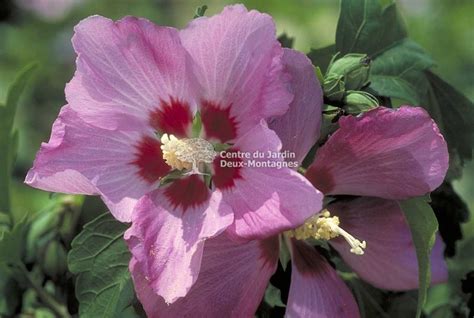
{"type": "Point", "coordinates": [323, 226]}
{"type": "Point", "coordinates": [186, 153]}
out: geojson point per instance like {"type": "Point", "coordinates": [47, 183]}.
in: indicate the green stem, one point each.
{"type": "Point", "coordinates": [58, 309]}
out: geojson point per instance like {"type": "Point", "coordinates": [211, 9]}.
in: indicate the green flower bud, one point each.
{"type": "Point", "coordinates": [357, 102]}
{"type": "Point", "coordinates": [333, 87]}
{"type": "Point", "coordinates": [331, 110]}
{"type": "Point", "coordinates": [42, 230]}
{"type": "Point", "coordinates": [354, 68]}
{"type": "Point", "coordinates": [54, 262]}
{"type": "Point", "coordinates": [70, 210]}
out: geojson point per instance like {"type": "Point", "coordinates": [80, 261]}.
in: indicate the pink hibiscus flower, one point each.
{"type": "Point", "coordinates": [136, 80]}
{"type": "Point", "coordinates": [384, 155]}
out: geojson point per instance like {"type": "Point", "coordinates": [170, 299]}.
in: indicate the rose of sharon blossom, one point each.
{"type": "Point", "coordinates": [385, 155]}
{"type": "Point", "coordinates": [126, 135]}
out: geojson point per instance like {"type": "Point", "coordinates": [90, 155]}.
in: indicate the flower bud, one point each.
{"type": "Point", "coordinates": [70, 210]}
{"type": "Point", "coordinates": [354, 68]}
{"type": "Point", "coordinates": [42, 229]}
{"type": "Point", "coordinates": [357, 102]}
{"type": "Point", "coordinates": [333, 87]}
{"type": "Point", "coordinates": [54, 262]}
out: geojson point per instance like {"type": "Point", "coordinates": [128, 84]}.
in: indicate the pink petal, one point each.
{"type": "Point", "coordinates": [259, 139]}
{"type": "Point", "coordinates": [126, 70]}
{"type": "Point", "coordinates": [239, 64]}
{"type": "Point", "coordinates": [231, 282]}
{"type": "Point", "coordinates": [81, 158]}
{"type": "Point", "coordinates": [167, 241]}
{"type": "Point", "coordinates": [267, 201]}
{"type": "Point", "coordinates": [298, 128]}
{"type": "Point", "coordinates": [390, 259]}
{"type": "Point", "coordinates": [392, 154]}
{"type": "Point", "coordinates": [316, 290]}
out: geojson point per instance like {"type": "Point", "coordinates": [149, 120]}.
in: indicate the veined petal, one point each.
{"type": "Point", "coordinates": [239, 65]}
{"type": "Point", "coordinates": [83, 159]}
{"type": "Point", "coordinates": [260, 140]}
{"type": "Point", "coordinates": [128, 69]}
{"type": "Point", "coordinates": [392, 154]}
{"type": "Point", "coordinates": [266, 200]}
{"type": "Point", "coordinates": [231, 282]}
{"type": "Point", "coordinates": [389, 261]}
{"type": "Point", "coordinates": [167, 239]}
{"type": "Point", "coordinates": [316, 291]}
{"type": "Point", "coordinates": [299, 128]}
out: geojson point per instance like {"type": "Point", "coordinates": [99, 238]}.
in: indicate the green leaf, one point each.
{"type": "Point", "coordinates": [9, 293]}
{"type": "Point", "coordinates": [454, 113]}
{"type": "Point", "coordinates": [9, 138]}
{"type": "Point", "coordinates": [322, 57]}
{"type": "Point", "coordinates": [100, 258]}
{"type": "Point", "coordinates": [13, 150]}
{"type": "Point", "coordinates": [200, 11]}
{"type": "Point", "coordinates": [438, 296]}
{"type": "Point", "coordinates": [12, 243]}
{"type": "Point", "coordinates": [423, 226]}
{"type": "Point", "coordinates": [16, 88]}
{"type": "Point", "coordinates": [399, 73]}
{"type": "Point", "coordinates": [273, 296]}
{"type": "Point", "coordinates": [366, 26]}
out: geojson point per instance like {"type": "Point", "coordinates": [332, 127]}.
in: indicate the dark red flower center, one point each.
{"type": "Point", "coordinates": [173, 121]}
{"type": "Point", "coordinates": [218, 122]}
{"type": "Point", "coordinates": [148, 153]}
{"type": "Point", "coordinates": [227, 169]}
{"type": "Point", "coordinates": [173, 117]}
{"type": "Point", "coordinates": [187, 192]}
